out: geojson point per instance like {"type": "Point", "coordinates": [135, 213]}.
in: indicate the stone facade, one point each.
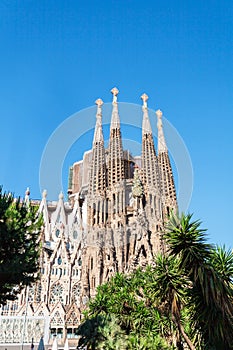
{"type": "Point", "coordinates": [113, 222]}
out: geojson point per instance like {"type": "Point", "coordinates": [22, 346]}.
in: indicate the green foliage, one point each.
{"type": "Point", "coordinates": [19, 245]}
{"type": "Point", "coordinates": [222, 261]}
{"type": "Point", "coordinates": [102, 332]}
{"type": "Point", "coordinates": [210, 272]}
{"type": "Point", "coordinates": [132, 304]}
{"type": "Point", "coordinates": [183, 300]}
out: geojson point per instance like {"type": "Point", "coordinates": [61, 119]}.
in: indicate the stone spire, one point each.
{"type": "Point", "coordinates": [98, 136]}
{"type": "Point", "coordinates": [115, 160]}
{"type": "Point", "coordinates": [165, 170]}
{"type": "Point", "coordinates": [146, 127]}
{"type": "Point", "coordinates": [97, 180]}
{"type": "Point", "coordinates": [161, 140]}
{"type": "Point", "coordinates": [149, 159]}
{"type": "Point", "coordinates": [27, 197]}
{"type": "Point", "coordinates": [115, 121]}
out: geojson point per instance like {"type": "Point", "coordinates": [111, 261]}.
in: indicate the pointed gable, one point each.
{"type": "Point", "coordinates": [57, 316]}
{"type": "Point", "coordinates": [73, 316]}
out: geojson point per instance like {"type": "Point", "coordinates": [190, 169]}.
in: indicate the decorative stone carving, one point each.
{"type": "Point", "coordinates": [112, 222]}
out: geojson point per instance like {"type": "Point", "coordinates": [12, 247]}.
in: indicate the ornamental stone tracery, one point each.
{"type": "Point", "coordinates": [113, 222]}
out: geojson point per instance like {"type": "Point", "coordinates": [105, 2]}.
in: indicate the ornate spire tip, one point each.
{"type": "Point", "coordinates": [115, 91]}
{"type": "Point", "coordinates": [159, 113]}
{"type": "Point", "coordinates": [99, 102]}
{"type": "Point", "coordinates": [144, 98]}
{"type": "Point", "coordinates": [27, 192]}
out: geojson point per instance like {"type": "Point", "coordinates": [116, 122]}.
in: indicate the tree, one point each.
{"type": "Point", "coordinates": [136, 322]}
{"type": "Point", "coordinates": [210, 272]}
{"type": "Point", "coordinates": [19, 245]}
{"type": "Point", "coordinates": [102, 332]}
{"type": "Point", "coordinates": [170, 287]}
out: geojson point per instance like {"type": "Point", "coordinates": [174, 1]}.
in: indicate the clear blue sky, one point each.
{"type": "Point", "coordinates": [57, 57]}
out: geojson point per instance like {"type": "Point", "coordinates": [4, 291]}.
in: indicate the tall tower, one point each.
{"type": "Point", "coordinates": [96, 211]}
{"type": "Point", "coordinates": [166, 175]}
{"type": "Point", "coordinates": [115, 158]}
{"type": "Point", "coordinates": [98, 169]}
{"type": "Point", "coordinates": [116, 169]}
{"type": "Point", "coordinates": [150, 170]}
{"type": "Point", "coordinates": [97, 178]}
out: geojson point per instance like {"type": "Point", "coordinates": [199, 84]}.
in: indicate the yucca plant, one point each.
{"type": "Point", "coordinates": [211, 293]}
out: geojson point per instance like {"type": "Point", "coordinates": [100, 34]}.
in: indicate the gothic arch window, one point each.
{"type": "Point", "coordinates": [56, 293]}
{"type": "Point", "coordinates": [38, 293]}
{"type": "Point", "coordinates": [76, 291]}
{"type": "Point", "coordinates": [75, 234]}
{"type": "Point", "coordinates": [14, 307]}
{"type": "Point", "coordinates": [31, 294]}
{"type": "Point", "coordinates": [57, 319]}
{"type": "Point", "coordinates": [73, 319]}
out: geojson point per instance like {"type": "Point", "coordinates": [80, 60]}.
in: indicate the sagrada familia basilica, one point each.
{"type": "Point", "coordinates": [113, 222]}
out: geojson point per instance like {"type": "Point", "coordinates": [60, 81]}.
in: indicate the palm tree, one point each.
{"type": "Point", "coordinates": [210, 296]}
{"type": "Point", "coordinates": [222, 261]}
{"type": "Point", "coordinates": [170, 287]}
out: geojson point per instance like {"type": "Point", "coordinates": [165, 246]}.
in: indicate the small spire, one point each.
{"type": "Point", "coordinates": [161, 139]}
{"type": "Point", "coordinates": [61, 195]}
{"type": "Point", "coordinates": [27, 192]}
{"type": "Point", "coordinates": [115, 121]}
{"type": "Point", "coordinates": [27, 198]}
{"type": "Point", "coordinates": [98, 136]}
{"type": "Point", "coordinates": [144, 98]}
{"type": "Point", "coordinates": [44, 194]}
{"type": "Point", "coordinates": [115, 92]}
{"type": "Point", "coordinates": [99, 103]}
{"type": "Point", "coordinates": [146, 127]}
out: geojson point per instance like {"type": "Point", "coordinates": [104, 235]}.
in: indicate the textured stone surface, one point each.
{"type": "Point", "coordinates": [112, 222]}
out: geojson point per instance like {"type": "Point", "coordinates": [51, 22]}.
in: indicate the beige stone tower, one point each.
{"type": "Point", "coordinates": [115, 158]}
{"type": "Point", "coordinates": [166, 175]}
{"type": "Point", "coordinates": [151, 179]}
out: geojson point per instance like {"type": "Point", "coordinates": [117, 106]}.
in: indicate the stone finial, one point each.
{"type": "Point", "coordinates": [146, 127]}
{"type": "Point", "coordinates": [159, 118]}
{"type": "Point", "coordinates": [98, 135]}
{"type": "Point", "coordinates": [115, 92]}
{"type": "Point", "coordinates": [99, 102]}
{"type": "Point", "coordinates": [27, 192]}
{"type": "Point", "coordinates": [44, 194]}
{"type": "Point", "coordinates": [115, 120]}
{"type": "Point", "coordinates": [26, 198]}
{"type": "Point", "coordinates": [162, 147]}
{"type": "Point", "coordinates": [144, 98]}
{"type": "Point", "coordinates": [159, 113]}
{"type": "Point", "coordinates": [61, 195]}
